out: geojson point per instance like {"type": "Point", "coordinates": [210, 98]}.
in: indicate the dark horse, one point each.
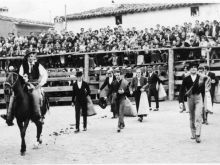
{"type": "Point", "coordinates": [23, 107]}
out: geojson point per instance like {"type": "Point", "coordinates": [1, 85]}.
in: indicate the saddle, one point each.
{"type": "Point", "coordinates": [29, 88]}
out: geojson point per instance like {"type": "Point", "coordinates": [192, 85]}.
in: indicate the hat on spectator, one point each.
{"type": "Point", "coordinates": [168, 30]}
{"type": "Point", "coordinates": [206, 67]}
{"type": "Point", "coordinates": [79, 74]}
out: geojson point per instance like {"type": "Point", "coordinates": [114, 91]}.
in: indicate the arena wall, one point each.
{"type": "Point", "coordinates": [6, 27]}
{"type": "Point", "coordinates": [167, 17]}
{"type": "Point", "coordinates": [26, 29]}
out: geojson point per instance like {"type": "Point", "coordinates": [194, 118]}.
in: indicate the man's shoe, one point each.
{"type": "Point", "coordinates": [84, 129]}
{"type": "Point", "coordinates": [210, 112]}
{"type": "Point", "coordinates": [119, 130]}
{"type": "Point", "coordinates": [76, 131]}
{"type": "Point", "coordinates": [122, 126]}
{"type": "Point", "coordinates": [193, 137]}
{"type": "Point", "coordinates": [182, 111]}
{"type": "Point", "coordinates": [4, 117]}
{"type": "Point", "coordinates": [140, 119]}
{"type": "Point", "coordinates": [156, 109]}
{"type": "Point", "coordinates": [198, 139]}
{"type": "Point", "coordinates": [150, 109]}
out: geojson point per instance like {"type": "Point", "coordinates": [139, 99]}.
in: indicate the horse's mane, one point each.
{"type": "Point", "coordinates": [21, 79]}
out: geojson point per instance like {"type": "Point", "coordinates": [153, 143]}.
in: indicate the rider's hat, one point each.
{"type": "Point", "coordinates": [29, 53]}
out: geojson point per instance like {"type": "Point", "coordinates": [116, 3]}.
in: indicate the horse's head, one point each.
{"type": "Point", "coordinates": [12, 80]}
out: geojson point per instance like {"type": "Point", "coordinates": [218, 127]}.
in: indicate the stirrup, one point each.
{"type": "Point", "coordinates": [41, 120]}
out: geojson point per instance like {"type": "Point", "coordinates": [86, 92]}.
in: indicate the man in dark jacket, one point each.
{"type": "Point", "coordinates": [108, 82]}
{"type": "Point", "coordinates": [79, 98]}
{"type": "Point", "coordinates": [214, 82]}
{"type": "Point", "coordinates": [153, 83]}
{"type": "Point", "coordinates": [120, 88]}
{"type": "Point", "coordinates": [194, 85]}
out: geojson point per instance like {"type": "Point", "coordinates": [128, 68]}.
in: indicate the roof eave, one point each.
{"type": "Point", "coordinates": [33, 24]}
{"type": "Point", "coordinates": [132, 11]}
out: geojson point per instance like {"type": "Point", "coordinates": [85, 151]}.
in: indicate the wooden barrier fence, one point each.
{"type": "Point", "coordinates": [94, 85]}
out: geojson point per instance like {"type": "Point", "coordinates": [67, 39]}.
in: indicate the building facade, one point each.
{"type": "Point", "coordinates": [140, 16]}
{"type": "Point", "coordinates": [23, 26]}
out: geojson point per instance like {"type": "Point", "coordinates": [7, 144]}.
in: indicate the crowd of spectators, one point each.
{"type": "Point", "coordinates": [109, 39]}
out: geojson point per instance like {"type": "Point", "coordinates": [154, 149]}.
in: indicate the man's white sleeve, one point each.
{"type": "Point", "coordinates": [43, 75]}
{"type": "Point", "coordinates": [21, 71]}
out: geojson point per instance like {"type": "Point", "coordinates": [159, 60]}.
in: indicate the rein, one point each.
{"type": "Point", "coordinates": [11, 85]}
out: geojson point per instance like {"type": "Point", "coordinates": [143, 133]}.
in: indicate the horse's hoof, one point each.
{"type": "Point", "coordinates": [36, 144]}
{"type": "Point", "coordinates": [22, 153]}
{"type": "Point", "coordinates": [40, 141]}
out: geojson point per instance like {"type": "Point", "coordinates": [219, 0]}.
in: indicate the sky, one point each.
{"type": "Point", "coordinates": [46, 10]}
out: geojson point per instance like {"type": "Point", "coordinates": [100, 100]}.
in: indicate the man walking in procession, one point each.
{"type": "Point", "coordinates": [193, 86]}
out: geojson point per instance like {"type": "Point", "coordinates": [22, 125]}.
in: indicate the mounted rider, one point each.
{"type": "Point", "coordinates": [35, 76]}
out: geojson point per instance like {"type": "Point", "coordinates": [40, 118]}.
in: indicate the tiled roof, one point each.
{"type": "Point", "coordinates": [25, 21]}
{"type": "Point", "coordinates": [127, 9]}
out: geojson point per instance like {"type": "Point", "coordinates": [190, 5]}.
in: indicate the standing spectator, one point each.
{"type": "Point", "coordinates": [204, 43]}
{"type": "Point", "coordinates": [79, 98]}
{"type": "Point", "coordinates": [153, 82]}
{"type": "Point", "coordinates": [215, 29]}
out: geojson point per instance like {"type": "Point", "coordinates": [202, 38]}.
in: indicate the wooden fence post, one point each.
{"type": "Point", "coordinates": [208, 58]}
{"type": "Point", "coordinates": [86, 67]}
{"type": "Point", "coordinates": [171, 74]}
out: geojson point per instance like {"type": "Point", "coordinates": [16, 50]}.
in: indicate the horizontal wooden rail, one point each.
{"type": "Point", "coordinates": [107, 52]}
{"type": "Point", "coordinates": [2, 79]}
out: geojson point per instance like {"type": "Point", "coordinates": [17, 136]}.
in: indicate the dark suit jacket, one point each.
{"type": "Point", "coordinates": [213, 77]}
{"type": "Point", "coordinates": [106, 82]}
{"type": "Point", "coordinates": [188, 83]}
{"type": "Point", "coordinates": [79, 95]}
{"type": "Point", "coordinates": [122, 84]}
{"type": "Point", "coordinates": [152, 80]}
{"type": "Point", "coordinates": [134, 83]}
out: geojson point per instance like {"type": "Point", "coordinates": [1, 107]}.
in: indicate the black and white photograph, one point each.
{"type": "Point", "coordinates": [109, 82]}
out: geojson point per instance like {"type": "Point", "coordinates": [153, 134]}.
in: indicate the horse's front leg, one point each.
{"type": "Point", "coordinates": [23, 128]}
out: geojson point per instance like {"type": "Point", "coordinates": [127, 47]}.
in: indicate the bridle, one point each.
{"type": "Point", "coordinates": [11, 85]}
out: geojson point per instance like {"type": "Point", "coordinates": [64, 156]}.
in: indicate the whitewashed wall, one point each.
{"type": "Point", "coordinates": [150, 19]}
